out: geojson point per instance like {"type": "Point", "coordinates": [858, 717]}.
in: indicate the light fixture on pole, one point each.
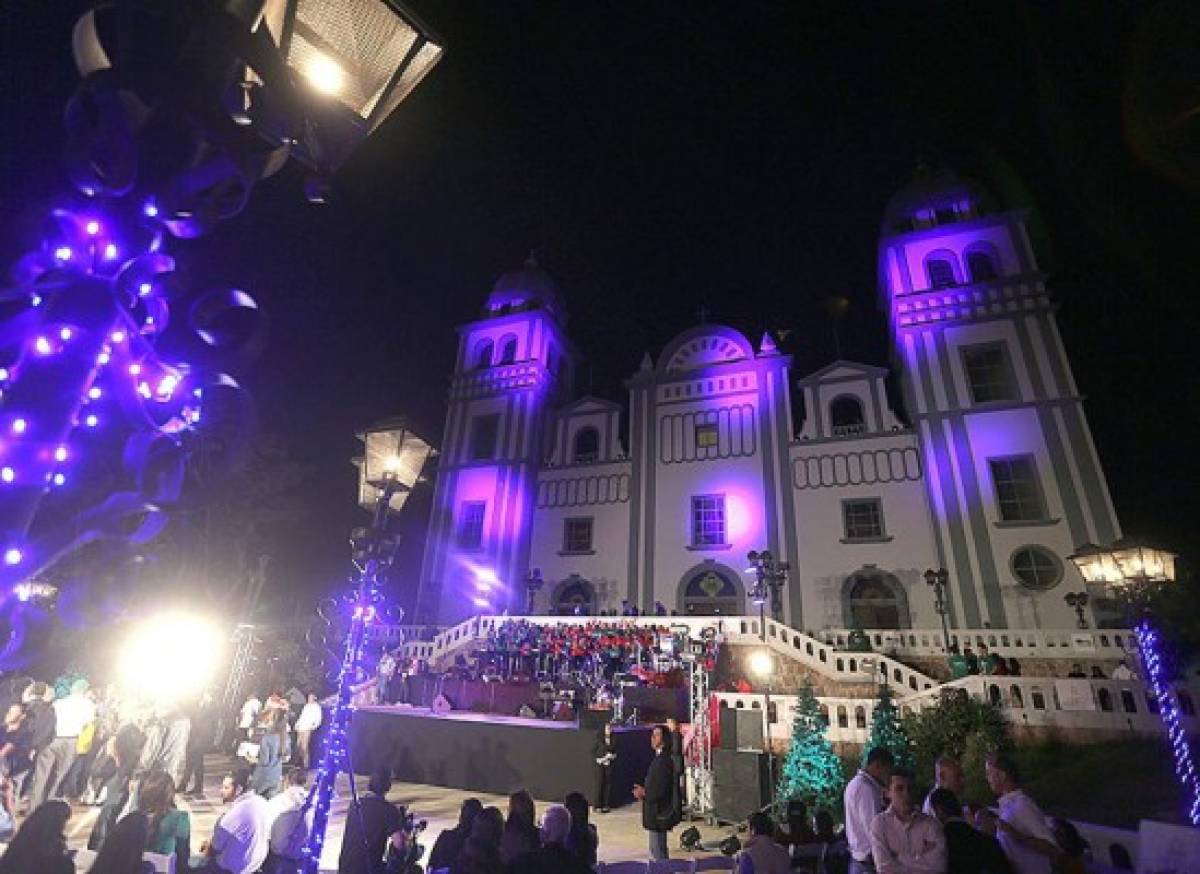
{"type": "Point", "coordinates": [389, 468]}
{"type": "Point", "coordinates": [533, 585]}
{"type": "Point", "coordinates": [1134, 570]}
{"type": "Point", "coordinates": [938, 580]}
{"type": "Point", "coordinates": [770, 576]}
{"type": "Point", "coordinates": [762, 665]}
{"type": "Point", "coordinates": [1077, 601]}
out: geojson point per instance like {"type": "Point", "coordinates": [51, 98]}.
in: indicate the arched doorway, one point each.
{"type": "Point", "coordinates": [572, 595]}
{"type": "Point", "coordinates": [710, 589]}
{"type": "Point", "coordinates": [873, 599]}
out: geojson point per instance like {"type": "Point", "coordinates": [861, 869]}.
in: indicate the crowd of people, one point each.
{"type": "Point", "coordinates": [520, 648]}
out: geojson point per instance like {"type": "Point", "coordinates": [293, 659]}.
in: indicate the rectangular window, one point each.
{"type": "Point", "coordinates": [470, 525]}
{"type": "Point", "coordinates": [1018, 492]}
{"type": "Point", "coordinates": [484, 432]}
{"type": "Point", "coordinates": [706, 435]}
{"type": "Point", "coordinates": [708, 520]}
{"type": "Point", "coordinates": [863, 519]}
{"type": "Point", "coordinates": [989, 374]}
{"type": "Point", "coordinates": [577, 534]}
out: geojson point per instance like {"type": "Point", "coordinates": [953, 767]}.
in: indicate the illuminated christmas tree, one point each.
{"type": "Point", "coordinates": [887, 732]}
{"type": "Point", "coordinates": [812, 771]}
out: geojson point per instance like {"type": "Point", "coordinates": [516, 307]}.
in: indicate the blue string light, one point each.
{"type": "Point", "coordinates": [1156, 673]}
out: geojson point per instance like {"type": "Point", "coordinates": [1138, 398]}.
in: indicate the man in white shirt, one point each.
{"type": "Point", "coordinates": [308, 722]}
{"type": "Point", "coordinates": [249, 715]}
{"type": "Point", "coordinates": [947, 774]}
{"type": "Point", "coordinates": [903, 839]}
{"type": "Point", "coordinates": [289, 822]}
{"type": "Point", "coordinates": [864, 799]}
{"type": "Point", "coordinates": [71, 715]}
{"type": "Point", "coordinates": [1022, 831]}
{"type": "Point", "coordinates": [242, 835]}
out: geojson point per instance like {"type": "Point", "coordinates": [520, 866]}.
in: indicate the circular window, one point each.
{"type": "Point", "coordinates": [1036, 567]}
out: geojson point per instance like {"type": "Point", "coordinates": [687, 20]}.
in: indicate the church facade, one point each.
{"type": "Point", "coordinates": [988, 471]}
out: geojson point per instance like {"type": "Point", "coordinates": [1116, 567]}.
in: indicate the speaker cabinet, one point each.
{"type": "Point", "coordinates": [741, 784]}
{"type": "Point", "coordinates": [741, 729]}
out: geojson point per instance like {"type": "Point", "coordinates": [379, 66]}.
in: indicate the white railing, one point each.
{"type": "Point", "coordinates": [1041, 643]}
{"type": "Point", "coordinates": [826, 660]}
{"type": "Point", "coordinates": [1115, 705]}
{"type": "Point", "coordinates": [848, 719]}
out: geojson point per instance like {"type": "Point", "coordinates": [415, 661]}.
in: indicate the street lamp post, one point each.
{"type": "Point", "coordinates": [390, 467]}
{"type": "Point", "coordinates": [770, 576]}
{"type": "Point", "coordinates": [1134, 569]}
{"type": "Point", "coordinates": [938, 580]}
{"type": "Point", "coordinates": [1078, 601]}
{"type": "Point", "coordinates": [533, 585]}
{"type": "Point", "coordinates": [762, 665]}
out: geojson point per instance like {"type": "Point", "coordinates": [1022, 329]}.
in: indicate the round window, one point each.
{"type": "Point", "coordinates": [1036, 567]}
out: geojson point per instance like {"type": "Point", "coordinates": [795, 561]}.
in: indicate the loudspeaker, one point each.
{"type": "Point", "coordinates": [741, 729]}
{"type": "Point", "coordinates": [741, 784]}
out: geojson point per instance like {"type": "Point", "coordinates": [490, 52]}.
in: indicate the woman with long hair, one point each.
{"type": "Point", "coordinates": [582, 840]}
{"type": "Point", "coordinates": [40, 847]}
{"type": "Point", "coordinates": [520, 829]}
{"type": "Point", "coordinates": [169, 829]}
{"type": "Point", "coordinates": [124, 749]}
{"type": "Point", "coordinates": [122, 852]}
{"type": "Point", "coordinates": [481, 853]}
{"type": "Point", "coordinates": [272, 750]}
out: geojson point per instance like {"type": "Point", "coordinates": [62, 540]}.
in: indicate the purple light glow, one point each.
{"type": "Point", "coordinates": [3, 374]}
{"type": "Point", "coordinates": [65, 334]}
{"type": "Point", "coordinates": [94, 392]}
{"type": "Point", "coordinates": [12, 556]}
{"type": "Point", "coordinates": [145, 288]}
{"type": "Point", "coordinates": [59, 479]}
{"type": "Point", "coordinates": [35, 300]}
{"type": "Point", "coordinates": [103, 358]}
{"type": "Point", "coordinates": [118, 336]}
{"type": "Point", "coordinates": [92, 420]}
{"type": "Point", "coordinates": [62, 253]}
{"type": "Point", "coordinates": [111, 251]}
{"type": "Point", "coordinates": [42, 345]}
{"type": "Point", "coordinates": [167, 386]}
{"type": "Point", "coordinates": [481, 602]}
{"type": "Point", "coordinates": [19, 426]}
{"type": "Point", "coordinates": [135, 369]}
{"type": "Point", "coordinates": [150, 210]}
{"type": "Point", "coordinates": [92, 227]}
{"type": "Point", "coordinates": [7, 474]}
{"type": "Point", "coordinates": [60, 454]}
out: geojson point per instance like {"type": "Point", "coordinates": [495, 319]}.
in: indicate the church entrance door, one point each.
{"type": "Point", "coordinates": [873, 605]}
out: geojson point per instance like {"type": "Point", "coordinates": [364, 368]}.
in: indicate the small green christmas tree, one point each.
{"type": "Point", "coordinates": [886, 731]}
{"type": "Point", "coordinates": [812, 771]}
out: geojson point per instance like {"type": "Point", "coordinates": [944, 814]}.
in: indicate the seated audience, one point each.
{"type": "Point", "coordinates": [552, 856]}
{"type": "Point", "coordinates": [904, 840]}
{"type": "Point", "coordinates": [40, 847]}
{"type": "Point", "coordinates": [520, 829]}
{"type": "Point", "coordinates": [240, 837]}
{"type": "Point", "coordinates": [583, 840]}
{"type": "Point", "coordinates": [122, 852]}
{"type": "Point", "coordinates": [289, 823]}
{"type": "Point", "coordinates": [450, 842]}
{"type": "Point", "coordinates": [170, 829]}
{"type": "Point", "coordinates": [760, 854]}
{"type": "Point", "coordinates": [481, 853]}
{"type": "Point", "coordinates": [798, 831]}
{"type": "Point", "coordinates": [968, 851]}
{"type": "Point", "coordinates": [380, 820]}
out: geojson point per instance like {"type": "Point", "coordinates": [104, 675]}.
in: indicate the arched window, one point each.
{"type": "Point", "coordinates": [1014, 694]}
{"type": "Point", "coordinates": [843, 721]}
{"type": "Point", "coordinates": [1105, 699]}
{"type": "Point", "coordinates": [508, 350]}
{"type": "Point", "coordinates": [994, 694]}
{"type": "Point", "coordinates": [846, 416]}
{"type": "Point", "coordinates": [587, 445]}
{"type": "Point", "coordinates": [873, 604]}
{"type": "Point", "coordinates": [981, 264]}
{"type": "Point", "coordinates": [860, 717]}
{"type": "Point", "coordinates": [940, 268]}
{"type": "Point", "coordinates": [483, 355]}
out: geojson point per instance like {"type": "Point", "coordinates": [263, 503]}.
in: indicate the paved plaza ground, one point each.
{"type": "Point", "coordinates": [621, 835]}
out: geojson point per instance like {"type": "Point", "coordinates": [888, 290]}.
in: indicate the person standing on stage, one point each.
{"type": "Point", "coordinates": [658, 795]}
{"type": "Point", "coordinates": [248, 717]}
{"type": "Point", "coordinates": [308, 722]}
{"type": "Point", "coordinates": [383, 685]}
{"type": "Point", "coordinates": [605, 754]}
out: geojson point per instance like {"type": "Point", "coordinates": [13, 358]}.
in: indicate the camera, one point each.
{"type": "Point", "coordinates": [414, 826]}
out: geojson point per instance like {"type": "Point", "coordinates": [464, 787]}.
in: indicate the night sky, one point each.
{"type": "Point", "coordinates": [667, 156]}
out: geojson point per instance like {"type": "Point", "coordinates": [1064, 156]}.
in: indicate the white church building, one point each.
{"type": "Point", "coordinates": [988, 470]}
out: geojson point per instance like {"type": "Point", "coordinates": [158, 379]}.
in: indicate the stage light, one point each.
{"type": "Point", "coordinates": [62, 253]}
{"type": "Point", "coordinates": [118, 336]}
{"type": "Point", "coordinates": [110, 251]}
{"type": "Point", "coordinates": [7, 474]}
{"type": "Point", "coordinates": [762, 663]}
{"type": "Point", "coordinates": [60, 454]}
{"type": "Point", "coordinates": [59, 479]}
{"type": "Point", "coordinates": [42, 345]}
{"type": "Point", "coordinates": [19, 426]}
{"type": "Point", "coordinates": [487, 576]}
{"type": "Point", "coordinates": [3, 374]}
{"type": "Point", "coordinates": [12, 556]}
{"type": "Point", "coordinates": [170, 657]}
{"type": "Point", "coordinates": [94, 393]}
{"type": "Point", "coordinates": [64, 334]}
{"type": "Point", "coordinates": [92, 420]}
{"type": "Point", "coordinates": [135, 369]}
{"type": "Point", "coordinates": [326, 75]}
{"type": "Point", "coordinates": [93, 228]}
{"type": "Point", "coordinates": [103, 358]}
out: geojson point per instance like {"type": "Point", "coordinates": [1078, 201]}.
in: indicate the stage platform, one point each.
{"type": "Point", "coordinates": [483, 752]}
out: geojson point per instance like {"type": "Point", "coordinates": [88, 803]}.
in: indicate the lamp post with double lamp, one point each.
{"type": "Point", "coordinates": [770, 576]}
{"type": "Point", "coordinates": [389, 468]}
{"type": "Point", "coordinates": [181, 109]}
{"type": "Point", "coordinates": [1078, 602]}
{"type": "Point", "coordinates": [533, 585]}
{"type": "Point", "coordinates": [938, 580]}
{"type": "Point", "coordinates": [1134, 570]}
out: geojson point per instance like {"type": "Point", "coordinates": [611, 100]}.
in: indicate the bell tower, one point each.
{"type": "Point", "coordinates": [513, 366]}
{"type": "Point", "coordinates": [1011, 473]}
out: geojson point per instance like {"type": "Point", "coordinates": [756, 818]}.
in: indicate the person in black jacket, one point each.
{"type": "Point", "coordinates": [605, 754]}
{"type": "Point", "coordinates": [450, 842]}
{"type": "Point", "coordinates": [659, 795]}
{"type": "Point", "coordinates": [968, 851]}
{"type": "Point", "coordinates": [675, 736]}
{"type": "Point", "coordinates": [380, 820]}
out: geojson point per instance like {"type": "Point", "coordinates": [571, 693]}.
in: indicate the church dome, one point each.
{"type": "Point", "coordinates": [527, 288]}
{"type": "Point", "coordinates": [935, 197]}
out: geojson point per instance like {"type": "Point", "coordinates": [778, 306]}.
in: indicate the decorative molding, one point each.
{"type": "Point", "coordinates": [736, 434]}
{"type": "Point", "coordinates": [583, 491]}
{"type": "Point", "coordinates": [866, 467]}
